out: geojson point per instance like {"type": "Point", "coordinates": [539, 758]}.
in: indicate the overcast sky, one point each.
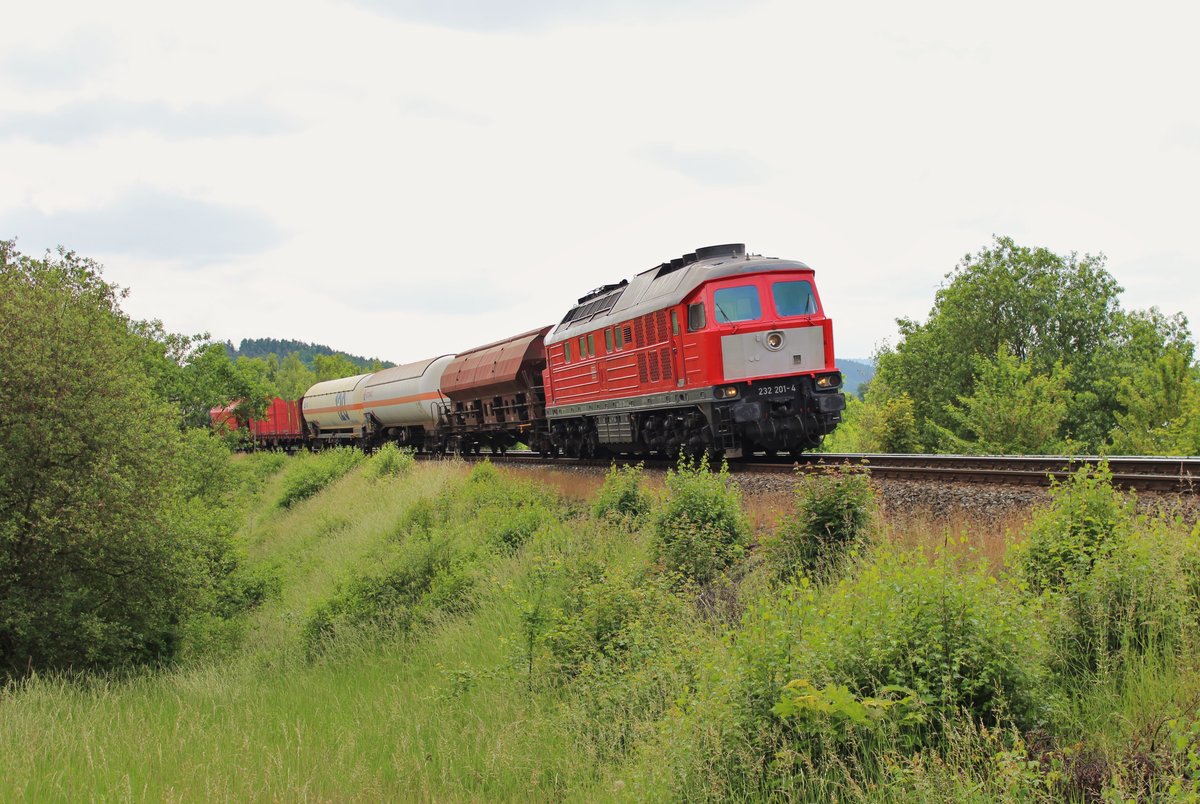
{"type": "Point", "coordinates": [408, 178]}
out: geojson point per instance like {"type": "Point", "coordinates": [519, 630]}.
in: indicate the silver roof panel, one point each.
{"type": "Point", "coordinates": [651, 290]}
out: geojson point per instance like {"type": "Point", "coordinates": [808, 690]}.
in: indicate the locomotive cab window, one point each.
{"type": "Point", "coordinates": [696, 319]}
{"type": "Point", "coordinates": [794, 298]}
{"type": "Point", "coordinates": [737, 304]}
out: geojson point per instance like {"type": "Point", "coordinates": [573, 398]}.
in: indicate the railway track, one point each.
{"type": "Point", "coordinates": [1179, 475]}
{"type": "Point", "coordinates": [1140, 473]}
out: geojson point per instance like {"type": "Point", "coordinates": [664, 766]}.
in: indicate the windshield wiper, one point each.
{"type": "Point", "coordinates": [725, 315]}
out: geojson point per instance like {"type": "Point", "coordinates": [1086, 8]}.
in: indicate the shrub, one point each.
{"type": "Point", "coordinates": [484, 473]}
{"type": "Point", "coordinates": [621, 643]}
{"type": "Point", "coordinates": [1138, 597]}
{"type": "Point", "coordinates": [419, 519]}
{"type": "Point", "coordinates": [312, 472]}
{"type": "Point", "coordinates": [957, 639]}
{"type": "Point", "coordinates": [105, 549]}
{"type": "Point", "coordinates": [622, 498]}
{"type": "Point", "coordinates": [391, 461]}
{"type": "Point", "coordinates": [413, 582]}
{"type": "Point", "coordinates": [834, 510]}
{"type": "Point", "coordinates": [699, 529]}
{"type": "Point", "coordinates": [1083, 521]}
{"type": "Point", "coordinates": [510, 528]}
{"type": "Point", "coordinates": [608, 617]}
{"type": "Point", "coordinates": [833, 716]}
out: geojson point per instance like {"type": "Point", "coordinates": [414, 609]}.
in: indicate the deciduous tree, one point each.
{"type": "Point", "coordinates": [1044, 309]}
{"type": "Point", "coordinates": [96, 569]}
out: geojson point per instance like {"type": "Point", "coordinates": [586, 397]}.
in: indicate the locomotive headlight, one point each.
{"type": "Point", "coordinates": [829, 380]}
{"type": "Point", "coordinates": [728, 392]}
{"type": "Point", "coordinates": [774, 341]}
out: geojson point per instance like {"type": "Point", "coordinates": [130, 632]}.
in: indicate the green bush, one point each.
{"type": "Point", "coordinates": [484, 473]}
{"type": "Point", "coordinates": [391, 461]}
{"type": "Point", "coordinates": [420, 518]}
{"type": "Point", "coordinates": [608, 618]}
{"type": "Point", "coordinates": [1083, 521]}
{"type": "Point", "coordinates": [623, 498]}
{"type": "Point", "coordinates": [959, 640]}
{"type": "Point", "coordinates": [834, 511]}
{"type": "Point", "coordinates": [108, 540]}
{"type": "Point", "coordinates": [505, 511]}
{"type": "Point", "coordinates": [1138, 597]}
{"type": "Point", "coordinates": [699, 529]}
{"type": "Point", "coordinates": [833, 717]}
{"type": "Point", "coordinates": [617, 639]}
{"type": "Point", "coordinates": [509, 528]}
{"type": "Point", "coordinates": [413, 582]}
{"type": "Point", "coordinates": [312, 472]}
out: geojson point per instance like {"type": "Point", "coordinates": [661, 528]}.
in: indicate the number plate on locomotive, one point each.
{"type": "Point", "coordinates": [784, 389]}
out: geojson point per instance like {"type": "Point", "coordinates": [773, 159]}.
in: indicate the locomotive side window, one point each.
{"type": "Point", "coordinates": [737, 304]}
{"type": "Point", "coordinates": [608, 340]}
{"type": "Point", "coordinates": [696, 320]}
{"type": "Point", "coordinates": [567, 351]}
{"type": "Point", "coordinates": [582, 348]}
{"type": "Point", "coordinates": [794, 298]}
{"type": "Point", "coordinates": [674, 322]}
{"type": "Point", "coordinates": [591, 346]}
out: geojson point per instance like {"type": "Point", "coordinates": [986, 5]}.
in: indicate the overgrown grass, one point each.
{"type": "Point", "coordinates": [465, 634]}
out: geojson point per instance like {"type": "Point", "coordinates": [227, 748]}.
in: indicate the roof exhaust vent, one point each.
{"type": "Point", "coordinates": [726, 250]}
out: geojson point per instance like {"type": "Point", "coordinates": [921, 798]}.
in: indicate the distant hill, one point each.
{"type": "Point", "coordinates": [856, 374]}
{"type": "Point", "coordinates": [261, 347]}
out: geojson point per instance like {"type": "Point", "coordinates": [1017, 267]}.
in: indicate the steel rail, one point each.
{"type": "Point", "coordinates": [1142, 473]}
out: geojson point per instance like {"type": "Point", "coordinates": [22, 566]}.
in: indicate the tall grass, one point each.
{"type": "Point", "coordinates": [927, 669]}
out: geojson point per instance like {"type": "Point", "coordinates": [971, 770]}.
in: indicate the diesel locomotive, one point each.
{"type": "Point", "coordinates": [717, 352]}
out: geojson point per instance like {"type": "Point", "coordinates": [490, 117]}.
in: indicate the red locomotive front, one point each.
{"type": "Point", "coordinates": [715, 351]}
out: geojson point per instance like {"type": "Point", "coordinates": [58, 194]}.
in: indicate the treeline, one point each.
{"type": "Point", "coordinates": [289, 376]}
{"type": "Point", "coordinates": [1030, 352]}
{"type": "Point", "coordinates": [276, 347]}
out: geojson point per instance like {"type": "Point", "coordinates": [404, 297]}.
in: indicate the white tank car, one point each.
{"type": "Point", "coordinates": [406, 396]}
{"type": "Point", "coordinates": [334, 409]}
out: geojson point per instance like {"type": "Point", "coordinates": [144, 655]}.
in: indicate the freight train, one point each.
{"type": "Point", "coordinates": [715, 352]}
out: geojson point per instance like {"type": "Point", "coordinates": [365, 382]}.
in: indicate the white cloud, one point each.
{"type": "Point", "coordinates": [145, 223]}
{"type": "Point", "coordinates": [89, 119]}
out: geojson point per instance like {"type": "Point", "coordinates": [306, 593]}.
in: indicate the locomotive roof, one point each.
{"type": "Point", "coordinates": [662, 286]}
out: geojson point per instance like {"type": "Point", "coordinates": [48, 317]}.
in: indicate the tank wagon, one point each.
{"type": "Point", "coordinates": [716, 351]}
{"type": "Point", "coordinates": [400, 404]}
